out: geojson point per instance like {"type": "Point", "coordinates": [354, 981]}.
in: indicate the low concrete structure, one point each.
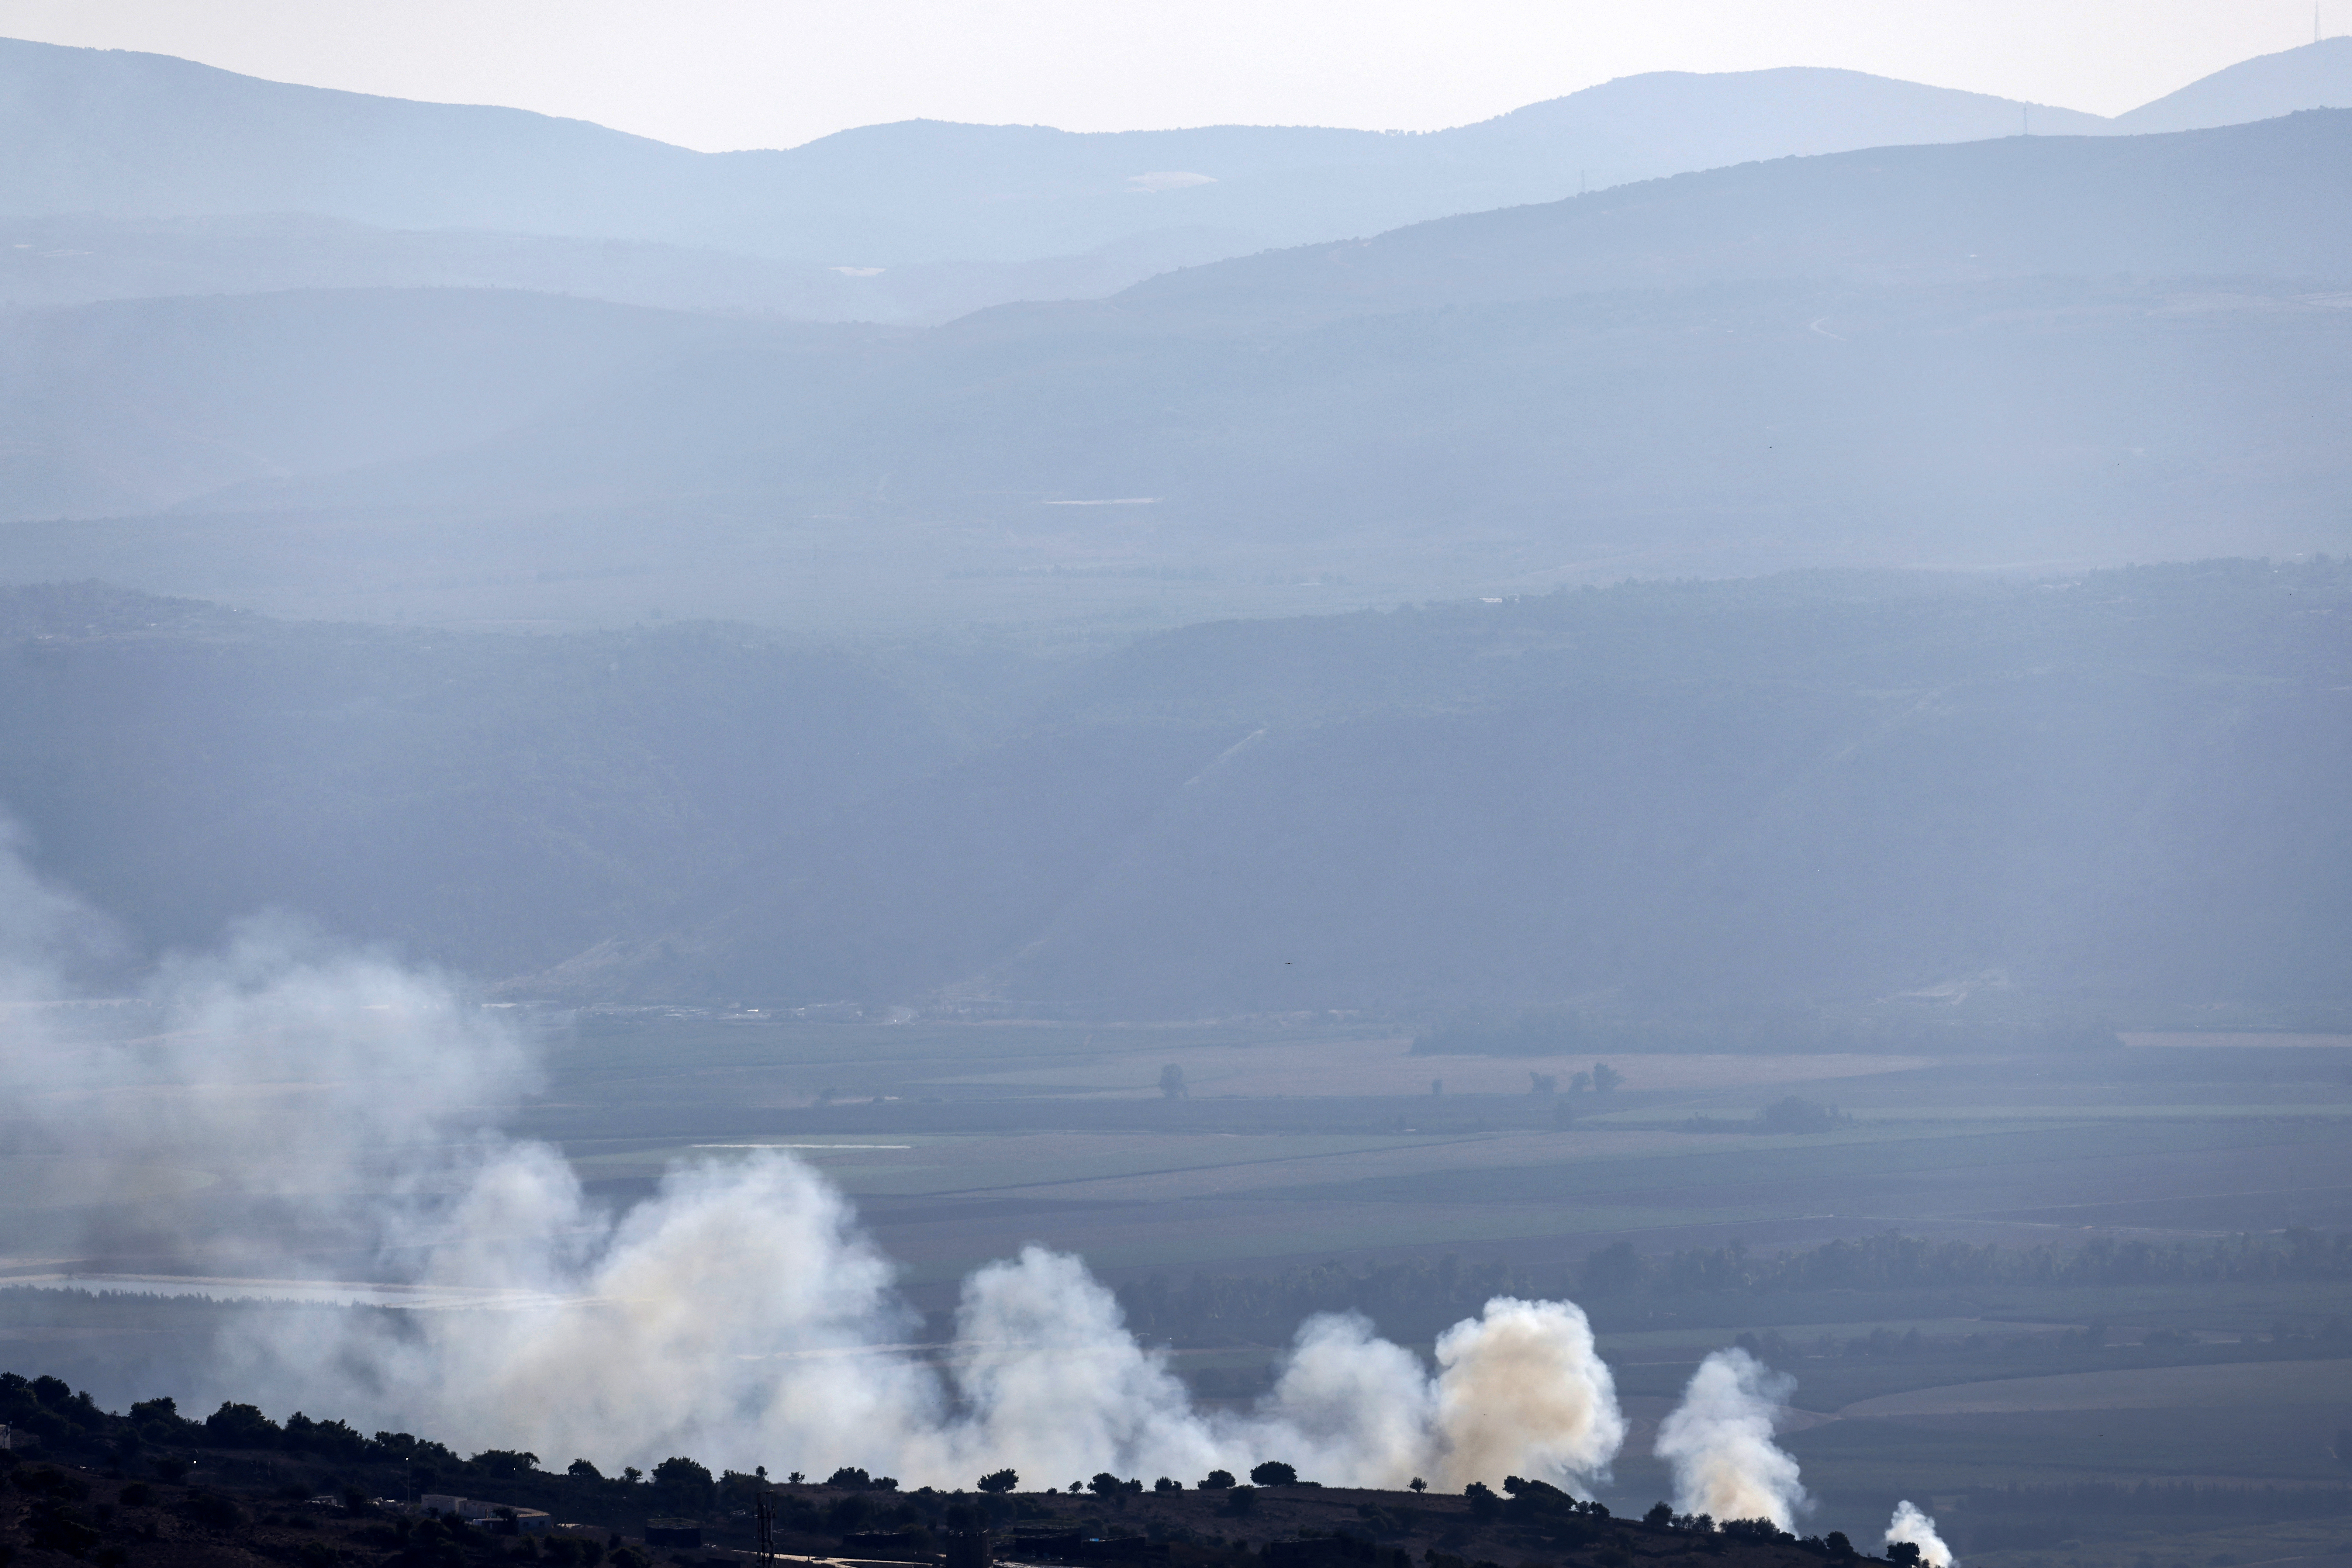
{"type": "Point", "coordinates": [674, 1532]}
{"type": "Point", "coordinates": [498, 1519]}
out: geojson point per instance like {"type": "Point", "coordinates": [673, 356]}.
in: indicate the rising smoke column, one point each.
{"type": "Point", "coordinates": [345, 1113]}
{"type": "Point", "coordinates": [1523, 1392]}
{"type": "Point", "coordinates": [1348, 1402]}
{"type": "Point", "coordinates": [1053, 1377]}
{"type": "Point", "coordinates": [1910, 1524]}
{"type": "Point", "coordinates": [1719, 1441]}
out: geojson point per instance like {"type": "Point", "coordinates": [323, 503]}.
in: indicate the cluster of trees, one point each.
{"type": "Point", "coordinates": [1892, 1261]}
{"type": "Point", "coordinates": [49, 1409]}
{"type": "Point", "coordinates": [1762, 1028]}
{"type": "Point", "coordinates": [1791, 1113]}
{"type": "Point", "coordinates": [2165, 1499]}
{"type": "Point", "coordinates": [1416, 1296]}
{"type": "Point", "coordinates": [1882, 1343]}
{"type": "Point", "coordinates": [1568, 1523]}
{"type": "Point", "coordinates": [1835, 1544]}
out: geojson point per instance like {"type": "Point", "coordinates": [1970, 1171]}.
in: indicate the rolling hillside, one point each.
{"type": "Point", "coordinates": [1758, 799]}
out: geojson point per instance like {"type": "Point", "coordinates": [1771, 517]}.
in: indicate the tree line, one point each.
{"type": "Point", "coordinates": [1892, 1261]}
{"type": "Point", "coordinates": [1417, 1297]}
{"type": "Point", "coordinates": [1563, 1031]}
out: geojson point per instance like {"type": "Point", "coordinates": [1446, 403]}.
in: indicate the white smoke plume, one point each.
{"type": "Point", "coordinates": [1919, 1529]}
{"type": "Point", "coordinates": [1719, 1441]}
{"type": "Point", "coordinates": [290, 1109]}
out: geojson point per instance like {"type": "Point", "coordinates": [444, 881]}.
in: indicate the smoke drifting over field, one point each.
{"type": "Point", "coordinates": [1719, 1441]}
{"type": "Point", "coordinates": [344, 1107]}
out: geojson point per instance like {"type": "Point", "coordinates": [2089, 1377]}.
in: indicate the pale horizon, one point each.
{"type": "Point", "coordinates": [726, 75]}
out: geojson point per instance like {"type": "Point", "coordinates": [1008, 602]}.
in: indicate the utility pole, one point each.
{"type": "Point", "coordinates": [766, 1503]}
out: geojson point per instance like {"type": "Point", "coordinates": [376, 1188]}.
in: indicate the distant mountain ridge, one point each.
{"type": "Point", "coordinates": [122, 135]}
{"type": "Point", "coordinates": [2269, 199]}
{"type": "Point", "coordinates": [2058, 352]}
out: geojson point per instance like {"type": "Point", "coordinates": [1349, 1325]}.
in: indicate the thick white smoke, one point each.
{"type": "Point", "coordinates": [1910, 1524]}
{"type": "Point", "coordinates": [1719, 1441]}
{"type": "Point", "coordinates": [300, 1111]}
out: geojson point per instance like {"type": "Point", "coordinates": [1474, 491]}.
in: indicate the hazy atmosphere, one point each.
{"type": "Point", "coordinates": [1272, 787]}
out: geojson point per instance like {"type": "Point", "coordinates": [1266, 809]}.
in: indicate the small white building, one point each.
{"type": "Point", "coordinates": [496, 1518]}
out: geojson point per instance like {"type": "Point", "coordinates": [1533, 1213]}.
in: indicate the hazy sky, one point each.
{"type": "Point", "coordinates": [764, 73]}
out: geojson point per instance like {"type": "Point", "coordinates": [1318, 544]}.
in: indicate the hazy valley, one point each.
{"type": "Point", "coordinates": [969, 798]}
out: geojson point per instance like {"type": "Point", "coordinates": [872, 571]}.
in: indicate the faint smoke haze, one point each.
{"type": "Point", "coordinates": [1719, 1441]}
{"type": "Point", "coordinates": [299, 1110]}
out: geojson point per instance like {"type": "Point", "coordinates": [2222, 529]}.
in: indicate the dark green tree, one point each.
{"type": "Point", "coordinates": [232, 1426]}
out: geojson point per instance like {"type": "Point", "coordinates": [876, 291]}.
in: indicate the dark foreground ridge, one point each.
{"type": "Point", "coordinates": [156, 1490]}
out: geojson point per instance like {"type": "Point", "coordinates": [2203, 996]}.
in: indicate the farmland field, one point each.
{"type": "Point", "coordinates": [1255, 1151]}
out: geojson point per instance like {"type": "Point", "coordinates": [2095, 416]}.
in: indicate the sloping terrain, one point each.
{"type": "Point", "coordinates": [488, 802]}
{"type": "Point", "coordinates": [1643, 798]}
{"type": "Point", "coordinates": [2062, 352]}
{"type": "Point", "coordinates": [79, 258]}
{"type": "Point", "coordinates": [1796, 793]}
{"type": "Point", "coordinates": [2317, 75]}
{"type": "Point", "coordinates": [135, 405]}
{"type": "Point", "coordinates": [2266, 200]}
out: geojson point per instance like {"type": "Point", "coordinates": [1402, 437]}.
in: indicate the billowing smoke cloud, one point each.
{"type": "Point", "coordinates": [1910, 1524]}
{"type": "Point", "coordinates": [1719, 1441]}
{"type": "Point", "coordinates": [292, 1110]}
{"type": "Point", "coordinates": [1524, 1392]}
